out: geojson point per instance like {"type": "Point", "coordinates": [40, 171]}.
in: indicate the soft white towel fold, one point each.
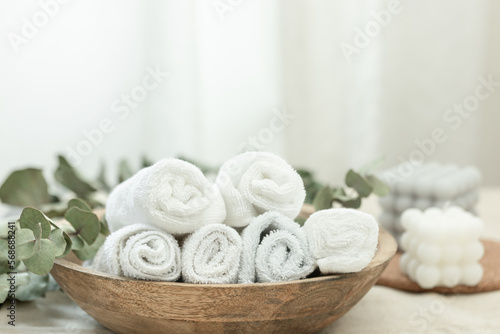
{"type": "Point", "coordinates": [275, 249]}
{"type": "Point", "coordinates": [342, 240]}
{"type": "Point", "coordinates": [172, 195]}
{"type": "Point", "coordinates": [212, 255]}
{"type": "Point", "coordinates": [140, 251]}
{"type": "Point", "coordinates": [99, 262]}
{"type": "Point", "coordinates": [256, 182]}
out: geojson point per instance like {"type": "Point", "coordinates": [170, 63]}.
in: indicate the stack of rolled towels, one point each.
{"type": "Point", "coordinates": [169, 222]}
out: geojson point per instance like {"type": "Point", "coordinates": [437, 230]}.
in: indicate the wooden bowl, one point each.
{"type": "Point", "coordinates": [127, 305]}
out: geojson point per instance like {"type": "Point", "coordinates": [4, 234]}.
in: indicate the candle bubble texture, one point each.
{"type": "Point", "coordinates": [425, 186]}
{"type": "Point", "coordinates": [441, 247]}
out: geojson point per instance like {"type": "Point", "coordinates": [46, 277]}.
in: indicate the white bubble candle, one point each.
{"type": "Point", "coordinates": [441, 247]}
{"type": "Point", "coordinates": [426, 186]}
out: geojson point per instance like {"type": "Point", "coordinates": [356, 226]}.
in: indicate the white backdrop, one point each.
{"type": "Point", "coordinates": [233, 67]}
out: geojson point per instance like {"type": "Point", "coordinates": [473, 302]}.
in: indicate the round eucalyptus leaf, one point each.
{"type": "Point", "coordinates": [42, 261]}
{"type": "Point", "coordinates": [30, 217]}
{"type": "Point", "coordinates": [69, 244]}
{"type": "Point", "coordinates": [26, 244]}
{"type": "Point", "coordinates": [25, 187]}
{"type": "Point", "coordinates": [79, 203]}
{"type": "Point", "coordinates": [57, 238]}
{"type": "Point", "coordinates": [77, 242]}
{"type": "Point", "coordinates": [86, 224]}
{"type": "Point", "coordinates": [357, 182]}
{"type": "Point", "coordinates": [88, 252]}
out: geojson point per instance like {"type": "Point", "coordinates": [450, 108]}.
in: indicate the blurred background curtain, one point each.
{"type": "Point", "coordinates": [271, 73]}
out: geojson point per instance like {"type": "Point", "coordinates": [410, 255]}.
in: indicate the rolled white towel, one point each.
{"type": "Point", "coordinates": [342, 240]}
{"type": "Point", "coordinates": [172, 195]}
{"type": "Point", "coordinates": [140, 251]}
{"type": "Point", "coordinates": [274, 249]}
{"type": "Point", "coordinates": [99, 262]}
{"type": "Point", "coordinates": [212, 255]}
{"type": "Point", "coordinates": [256, 182]}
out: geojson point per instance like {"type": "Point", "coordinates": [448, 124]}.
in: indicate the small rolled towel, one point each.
{"type": "Point", "coordinates": [256, 182]}
{"type": "Point", "coordinates": [99, 262]}
{"type": "Point", "coordinates": [172, 195]}
{"type": "Point", "coordinates": [342, 240]}
{"type": "Point", "coordinates": [212, 255]}
{"type": "Point", "coordinates": [274, 249]}
{"type": "Point", "coordinates": [140, 251]}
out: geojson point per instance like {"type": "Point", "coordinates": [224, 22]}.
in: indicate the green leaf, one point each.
{"type": "Point", "coordinates": [86, 224]}
{"type": "Point", "coordinates": [69, 244]}
{"type": "Point", "coordinates": [42, 261]}
{"type": "Point", "coordinates": [4, 261]}
{"type": "Point", "coordinates": [68, 177]}
{"type": "Point", "coordinates": [311, 186]}
{"type": "Point", "coordinates": [57, 238]}
{"type": "Point", "coordinates": [27, 244]}
{"type": "Point", "coordinates": [305, 174]}
{"type": "Point", "coordinates": [79, 203]}
{"type": "Point", "coordinates": [300, 220]}
{"type": "Point", "coordinates": [146, 162]}
{"type": "Point", "coordinates": [77, 242]}
{"type": "Point", "coordinates": [356, 181]}
{"type": "Point", "coordinates": [380, 188]}
{"type": "Point", "coordinates": [4, 287]}
{"type": "Point", "coordinates": [312, 190]}
{"type": "Point", "coordinates": [35, 288]}
{"type": "Point", "coordinates": [104, 227]}
{"type": "Point", "coordinates": [4, 226]}
{"type": "Point", "coordinates": [354, 203]}
{"type": "Point", "coordinates": [124, 171]}
{"type": "Point", "coordinates": [31, 217]}
{"type": "Point", "coordinates": [88, 252]}
{"type": "Point", "coordinates": [323, 199]}
{"type": "Point", "coordinates": [339, 194]}
{"type": "Point", "coordinates": [25, 187]}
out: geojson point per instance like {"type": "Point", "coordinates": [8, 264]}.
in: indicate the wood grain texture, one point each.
{"type": "Point", "coordinates": [393, 277]}
{"type": "Point", "coordinates": [305, 306]}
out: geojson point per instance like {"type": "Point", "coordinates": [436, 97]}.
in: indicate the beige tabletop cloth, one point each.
{"type": "Point", "coordinates": [382, 310]}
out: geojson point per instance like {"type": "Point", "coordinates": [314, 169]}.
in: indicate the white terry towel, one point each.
{"type": "Point", "coordinates": [275, 249]}
{"type": "Point", "coordinates": [342, 240]}
{"type": "Point", "coordinates": [256, 182]}
{"type": "Point", "coordinates": [172, 195]}
{"type": "Point", "coordinates": [99, 262]}
{"type": "Point", "coordinates": [142, 252]}
{"type": "Point", "coordinates": [212, 255]}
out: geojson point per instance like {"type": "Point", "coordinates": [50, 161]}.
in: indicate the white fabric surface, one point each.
{"type": "Point", "coordinates": [275, 249]}
{"type": "Point", "coordinates": [212, 255]}
{"type": "Point", "coordinates": [342, 240]}
{"type": "Point", "coordinates": [382, 311]}
{"type": "Point", "coordinates": [252, 183]}
{"type": "Point", "coordinates": [142, 252]}
{"type": "Point", "coordinates": [172, 195]}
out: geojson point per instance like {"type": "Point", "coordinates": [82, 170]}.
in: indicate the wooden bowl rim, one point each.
{"type": "Point", "coordinates": [386, 249]}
